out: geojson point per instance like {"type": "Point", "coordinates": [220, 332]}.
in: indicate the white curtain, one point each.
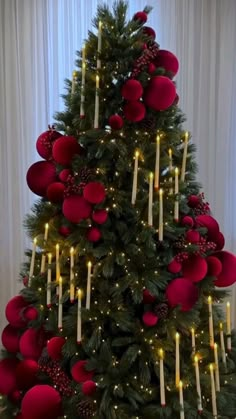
{"type": "Point", "coordinates": [38, 40]}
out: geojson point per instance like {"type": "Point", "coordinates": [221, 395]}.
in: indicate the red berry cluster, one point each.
{"type": "Point", "coordinates": [146, 58]}
{"type": "Point", "coordinates": [203, 208]}
{"type": "Point", "coordinates": [72, 188]}
{"type": "Point", "coordinates": [59, 378]}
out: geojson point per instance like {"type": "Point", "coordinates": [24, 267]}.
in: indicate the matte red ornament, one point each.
{"type": "Point", "coordinates": [132, 90]}
{"type": "Point", "coordinates": [41, 402]}
{"type": "Point", "coordinates": [44, 143]}
{"type": "Point", "coordinates": [194, 268]}
{"type": "Point", "coordinates": [149, 32]}
{"type": "Point", "coordinates": [8, 375]}
{"type": "Point", "coordinates": [64, 231]}
{"type": "Point", "coordinates": [168, 61]}
{"type": "Point", "coordinates": [32, 343]}
{"type": "Point", "coordinates": [30, 313]}
{"type": "Point", "coordinates": [214, 266]}
{"type": "Point", "coordinates": [93, 234]}
{"type": "Point", "coordinates": [227, 276]}
{"type": "Point", "coordinates": [182, 292]}
{"type": "Point", "coordinates": [174, 267]}
{"type": "Point", "coordinates": [187, 221]}
{"type": "Point", "coordinates": [10, 338]}
{"type": "Point", "coordinates": [150, 319]}
{"type": "Point", "coordinates": [39, 176]}
{"type": "Point", "coordinates": [116, 122]}
{"type": "Point", "coordinates": [89, 388]}
{"type": "Point", "coordinates": [193, 201]}
{"type": "Point", "coordinates": [55, 192]}
{"type": "Point", "coordinates": [141, 16]}
{"type": "Point", "coordinates": [219, 241]}
{"type": "Point", "coordinates": [26, 374]}
{"type": "Point", "coordinates": [14, 311]}
{"type": "Point", "coordinates": [211, 224]}
{"type": "Point", "coordinates": [94, 192]}
{"type": "Point", "coordinates": [75, 208]}
{"type": "Point", "coordinates": [160, 93]}
{"type": "Point", "coordinates": [151, 68]}
{"type": "Point", "coordinates": [65, 148]}
{"type": "Point", "coordinates": [63, 175]}
{"type": "Point", "coordinates": [148, 298]}
{"type": "Point", "coordinates": [100, 216]}
{"type": "Point", "coordinates": [54, 347]}
{"type": "Point", "coordinates": [192, 236]}
{"type": "Point", "coordinates": [79, 372]}
{"type": "Point", "coordinates": [134, 111]}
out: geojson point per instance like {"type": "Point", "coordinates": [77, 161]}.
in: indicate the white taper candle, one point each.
{"type": "Point", "coordinates": [150, 200]}
{"type": "Point", "coordinates": [157, 163]}
{"type": "Point", "coordinates": [49, 280]}
{"type": "Point", "coordinates": [79, 319]}
{"type": "Point", "coordinates": [183, 169]}
{"type": "Point", "coordinates": [198, 384]}
{"type": "Point", "coordinates": [88, 295]}
{"type": "Point", "coordinates": [213, 392]}
{"type": "Point", "coordinates": [72, 276]}
{"type": "Point", "coordinates": [135, 178]}
{"type": "Point", "coordinates": [32, 262]}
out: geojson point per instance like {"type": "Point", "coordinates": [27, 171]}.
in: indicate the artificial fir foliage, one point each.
{"type": "Point", "coordinates": [114, 280]}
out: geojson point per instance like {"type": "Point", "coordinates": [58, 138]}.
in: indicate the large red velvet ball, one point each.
{"type": "Point", "coordinates": [64, 231]}
{"type": "Point", "coordinates": [41, 402]}
{"type": "Point", "coordinates": [214, 266]}
{"type": "Point", "coordinates": [116, 122]}
{"type": "Point", "coordinates": [187, 221]}
{"type": "Point", "coordinates": [182, 292]}
{"type": "Point", "coordinates": [55, 192]}
{"type": "Point", "coordinates": [79, 372]}
{"type": "Point", "coordinates": [132, 90]}
{"type": "Point", "coordinates": [160, 93]}
{"type": "Point", "coordinates": [194, 268]}
{"type": "Point", "coordinates": [150, 319]}
{"type": "Point", "coordinates": [32, 343]}
{"type": "Point", "coordinates": [26, 374]}
{"type": "Point", "coordinates": [174, 267]}
{"type": "Point", "coordinates": [141, 16]}
{"type": "Point", "coordinates": [14, 311]}
{"type": "Point", "coordinates": [148, 298]}
{"type": "Point", "coordinates": [44, 143]}
{"type": "Point", "coordinates": [227, 276]}
{"type": "Point", "coordinates": [219, 241]}
{"type": "Point", "coordinates": [168, 61]}
{"type": "Point", "coordinates": [75, 208]}
{"type": "Point", "coordinates": [8, 375]}
{"type": "Point", "coordinates": [63, 175]}
{"type": "Point", "coordinates": [64, 149]}
{"type": "Point", "coordinates": [192, 236]}
{"type": "Point", "coordinates": [93, 234]}
{"type": "Point", "coordinates": [40, 175]}
{"type": "Point", "coordinates": [54, 347]}
{"type": "Point", "coordinates": [11, 338]}
{"type": "Point", "coordinates": [134, 111]}
{"type": "Point", "coordinates": [30, 313]}
{"type": "Point", "coordinates": [100, 216]}
{"type": "Point", "coordinates": [149, 32]}
{"type": "Point", "coordinates": [89, 388]}
{"type": "Point", "coordinates": [211, 224]}
{"type": "Point", "coordinates": [94, 192]}
{"type": "Point", "coordinates": [193, 201]}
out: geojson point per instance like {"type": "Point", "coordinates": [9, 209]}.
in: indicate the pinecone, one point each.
{"type": "Point", "coordinates": [86, 409]}
{"type": "Point", "coordinates": [85, 174]}
{"type": "Point", "coordinates": [147, 124]}
{"type": "Point", "coordinates": [161, 310]}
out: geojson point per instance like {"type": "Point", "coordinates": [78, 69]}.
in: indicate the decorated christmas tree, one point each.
{"type": "Point", "coordinates": [122, 311]}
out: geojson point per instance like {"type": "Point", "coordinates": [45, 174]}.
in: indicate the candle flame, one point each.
{"type": "Point", "coordinates": [46, 226]}
{"type": "Point", "coordinates": [83, 65]}
{"type": "Point", "coordinates": [57, 246]}
{"type": "Point", "coordinates": [211, 367]}
{"type": "Point", "coordinates": [196, 359]}
{"type": "Point", "coordinates": [97, 78]}
{"type": "Point", "coordinates": [151, 175]}
{"type": "Point", "coordinates": [49, 257]}
{"type": "Point", "coordinates": [228, 304]}
{"type": "Point", "coordinates": [221, 325]}
{"type": "Point", "coordinates": [161, 192]}
{"type": "Point", "coordinates": [177, 336]}
{"type": "Point", "coordinates": [186, 135]}
{"type": "Point", "coordinates": [60, 280]}
{"type": "Point", "coordinates": [158, 138]}
{"type": "Point", "coordinates": [79, 293]}
{"type": "Point", "coordinates": [35, 240]}
{"type": "Point", "coordinates": [192, 330]}
{"type": "Point", "coordinates": [209, 299]}
{"type": "Point", "coordinates": [137, 154]}
{"type": "Point", "coordinates": [74, 74]}
{"type": "Point", "coordinates": [72, 250]}
{"type": "Point", "coordinates": [89, 264]}
{"type": "Point", "coordinates": [100, 24]}
{"type": "Point", "coordinates": [161, 353]}
{"type": "Point", "coordinates": [215, 345]}
{"type": "Point", "coordinates": [176, 171]}
{"type": "Point", "coordinates": [170, 152]}
{"type": "Point", "coordinates": [181, 384]}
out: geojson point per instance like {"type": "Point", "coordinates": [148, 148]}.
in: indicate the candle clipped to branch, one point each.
{"type": "Point", "coordinates": [217, 373]}
{"type": "Point", "coordinates": [43, 260]}
{"type": "Point", "coordinates": [222, 345]}
{"type": "Point", "coordinates": [74, 82]}
{"type": "Point", "coordinates": [32, 262]}
{"type": "Point", "coordinates": [213, 391]}
{"type": "Point", "coordinates": [135, 178]}
{"type": "Point", "coordinates": [88, 295]}
{"type": "Point", "coordinates": [96, 112]}
{"type": "Point", "coordinates": [198, 384]}
{"type": "Point", "coordinates": [150, 200]}
{"type": "Point", "coordinates": [49, 280]}
{"type": "Point", "coordinates": [193, 339]}
{"type": "Point", "coordinates": [157, 163]}
{"type": "Point", "coordinates": [160, 230]}
{"type": "Point", "coordinates": [177, 360]}
{"type": "Point", "coordinates": [60, 304]}
{"type": "Point", "coordinates": [162, 378]}
{"type": "Point", "coordinates": [176, 209]}
{"type": "Point", "coordinates": [79, 319]}
{"type": "Point", "coordinates": [82, 98]}
{"type": "Point", "coordinates": [211, 327]}
{"type": "Point", "coordinates": [72, 277]}
{"type": "Point", "coordinates": [183, 169]}
{"type": "Point", "coordinates": [228, 325]}
{"type": "Point", "coordinates": [99, 44]}
{"type": "Point", "coordinates": [170, 171]}
{"type": "Point", "coordinates": [181, 400]}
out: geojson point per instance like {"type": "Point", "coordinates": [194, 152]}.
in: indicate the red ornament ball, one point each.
{"type": "Point", "coordinates": [94, 192]}
{"type": "Point", "coordinates": [151, 68]}
{"type": "Point", "coordinates": [79, 372]}
{"type": "Point", "coordinates": [93, 234]}
{"type": "Point", "coordinates": [174, 267]}
{"type": "Point", "coordinates": [160, 93]}
{"type": "Point", "coordinates": [15, 397]}
{"type": "Point", "coordinates": [168, 61]}
{"type": "Point", "coordinates": [227, 276]}
{"type": "Point", "coordinates": [64, 231]}
{"type": "Point", "coordinates": [44, 143]}
{"type": "Point", "coordinates": [41, 402]}
{"type": "Point", "coordinates": [63, 175]}
{"type": "Point", "coordinates": [39, 176]}
{"type": "Point", "coordinates": [14, 311]}
{"type": "Point", "coordinates": [176, 101]}
{"type": "Point", "coordinates": [149, 32]}
{"type": "Point", "coordinates": [134, 111]}
{"type": "Point", "coordinates": [214, 266]}
{"type": "Point", "coordinates": [219, 241]}
{"type": "Point", "coordinates": [54, 347]}
{"type": "Point", "coordinates": [192, 236]}
{"type": "Point", "coordinates": [8, 375]}
{"type": "Point", "coordinates": [30, 313]}
{"type": "Point", "coordinates": [32, 343]}
{"type": "Point", "coordinates": [64, 149]}
{"type": "Point", "coordinates": [26, 374]}
{"type": "Point", "coordinates": [150, 319]}
{"type": "Point", "coordinates": [89, 388]}
{"type": "Point", "coordinates": [193, 201]}
{"type": "Point", "coordinates": [187, 221]}
{"type": "Point", "coordinates": [11, 338]}
{"type": "Point", "coordinates": [148, 298]}
{"type": "Point", "coordinates": [100, 216]}
{"type": "Point", "coordinates": [75, 208]}
{"type": "Point", "coordinates": [182, 292]}
{"type": "Point", "coordinates": [141, 16]}
{"type": "Point", "coordinates": [116, 122]}
{"type": "Point", "coordinates": [194, 268]}
{"type": "Point", "coordinates": [211, 224]}
{"type": "Point", "coordinates": [132, 90]}
{"type": "Point", "coordinates": [55, 192]}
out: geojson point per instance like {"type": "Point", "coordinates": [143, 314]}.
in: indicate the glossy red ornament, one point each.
{"type": "Point", "coordinates": [55, 192]}
{"type": "Point", "coordinates": [182, 292]}
{"type": "Point", "coordinates": [174, 266]}
{"type": "Point", "coordinates": [134, 111]}
{"type": "Point", "coordinates": [41, 402]}
{"type": "Point", "coordinates": [160, 93]}
{"type": "Point", "coordinates": [30, 313]}
{"type": "Point", "coordinates": [192, 236]}
{"type": "Point", "coordinates": [8, 375]}
{"type": "Point", "coordinates": [187, 221]}
{"type": "Point", "coordinates": [116, 122]}
{"type": "Point", "coordinates": [94, 192]}
{"type": "Point", "coordinates": [149, 32]}
{"type": "Point", "coordinates": [227, 275]}
{"type": "Point", "coordinates": [93, 234]}
{"type": "Point", "coordinates": [26, 374]}
{"type": "Point", "coordinates": [44, 143]}
{"type": "Point", "coordinates": [141, 16]}
{"type": "Point", "coordinates": [211, 224]}
{"type": "Point", "coordinates": [100, 216]}
{"type": "Point", "coordinates": [63, 175]}
{"type": "Point", "coordinates": [214, 266]}
{"type": "Point", "coordinates": [194, 268]}
{"type": "Point", "coordinates": [65, 148]}
{"type": "Point", "coordinates": [150, 319]}
{"type": "Point", "coordinates": [168, 61]}
{"type": "Point", "coordinates": [32, 343]}
{"type": "Point", "coordinates": [39, 176]}
{"type": "Point", "coordinates": [79, 372]}
{"type": "Point", "coordinates": [148, 298]}
{"type": "Point", "coordinates": [89, 388]}
{"type": "Point", "coordinates": [54, 347]}
{"type": "Point", "coordinates": [132, 90]}
{"type": "Point", "coordinates": [14, 311]}
{"type": "Point", "coordinates": [11, 338]}
{"type": "Point", "coordinates": [64, 231]}
{"type": "Point", "coordinates": [75, 208]}
{"type": "Point", "coordinates": [193, 201]}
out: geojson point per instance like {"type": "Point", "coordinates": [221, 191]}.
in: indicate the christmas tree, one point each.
{"type": "Point", "coordinates": [120, 314]}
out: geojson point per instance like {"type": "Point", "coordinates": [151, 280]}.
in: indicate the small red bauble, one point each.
{"type": "Point", "coordinates": [194, 268]}
{"type": "Point", "coordinates": [14, 311]}
{"type": "Point", "coordinates": [182, 292]}
{"type": "Point", "coordinates": [30, 313]}
{"type": "Point", "coordinates": [8, 375]}
{"type": "Point", "coordinates": [64, 231]}
{"type": "Point", "coordinates": [89, 388]}
{"type": "Point", "coordinates": [26, 374]}
{"type": "Point", "coordinates": [63, 175]}
{"type": "Point", "coordinates": [168, 61]}
{"type": "Point", "coordinates": [79, 372]}
{"type": "Point", "coordinates": [187, 221]}
{"type": "Point", "coordinates": [160, 93]}
{"type": "Point", "coordinates": [75, 208]}
{"type": "Point", "coordinates": [44, 143]}
{"type": "Point", "coordinates": [10, 338]}
{"type": "Point", "coordinates": [141, 16]}
{"type": "Point", "coordinates": [41, 402]}
{"type": "Point", "coordinates": [64, 149]}
{"type": "Point", "coordinates": [192, 236]}
{"type": "Point", "coordinates": [219, 240]}
{"type": "Point", "coordinates": [116, 122]}
{"type": "Point", "coordinates": [39, 176]}
{"type": "Point", "coordinates": [227, 276]}
{"type": "Point", "coordinates": [15, 397]}
{"type": "Point", "coordinates": [132, 90]}
{"type": "Point", "coordinates": [193, 201]}
{"type": "Point", "coordinates": [149, 32]}
{"type": "Point", "coordinates": [32, 343]}
{"type": "Point", "coordinates": [54, 347]}
{"type": "Point", "coordinates": [214, 266]}
{"type": "Point", "coordinates": [55, 192]}
{"type": "Point", "coordinates": [94, 192]}
{"type": "Point", "coordinates": [174, 267]}
{"type": "Point", "coordinates": [93, 234]}
{"type": "Point", "coordinates": [100, 216]}
{"type": "Point", "coordinates": [134, 111]}
{"type": "Point", "coordinates": [148, 298]}
{"type": "Point", "coordinates": [210, 223]}
{"type": "Point", "coordinates": [151, 68]}
{"type": "Point", "coordinates": [150, 319]}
